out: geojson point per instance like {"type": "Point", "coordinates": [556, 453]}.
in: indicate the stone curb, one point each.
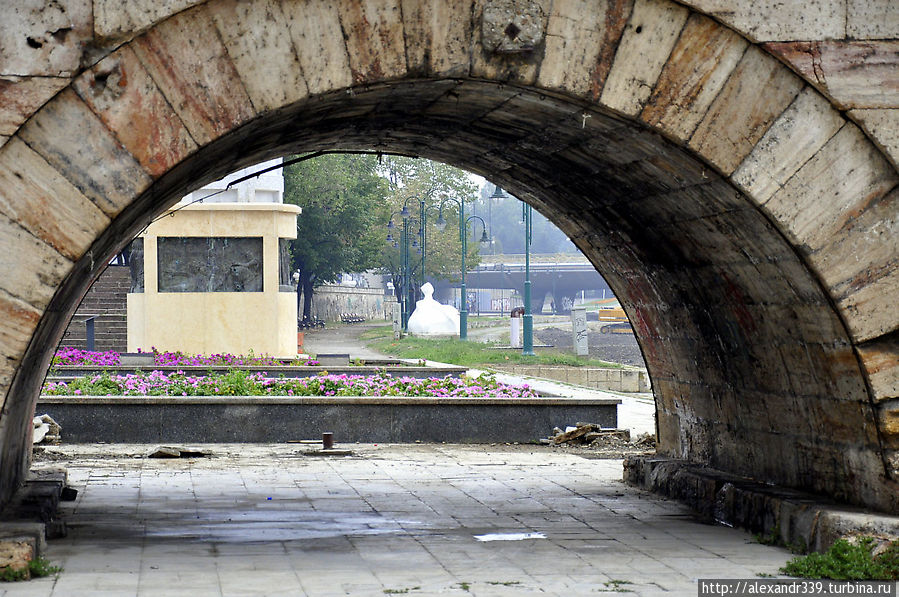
{"type": "Point", "coordinates": [791, 518]}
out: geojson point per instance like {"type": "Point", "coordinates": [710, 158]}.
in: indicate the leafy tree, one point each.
{"type": "Point", "coordinates": [343, 197]}
{"type": "Point", "coordinates": [436, 183]}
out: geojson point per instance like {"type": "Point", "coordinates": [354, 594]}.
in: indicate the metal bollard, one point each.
{"type": "Point", "coordinates": [327, 440]}
{"type": "Point", "coordinates": [89, 333]}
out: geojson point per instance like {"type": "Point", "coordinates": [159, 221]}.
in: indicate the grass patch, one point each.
{"type": "Point", "coordinates": [848, 561]}
{"type": "Point", "coordinates": [468, 353]}
{"type": "Point", "coordinates": [617, 586]}
{"type": "Point", "coordinates": [400, 591]}
{"type": "Point", "coordinates": [37, 568]}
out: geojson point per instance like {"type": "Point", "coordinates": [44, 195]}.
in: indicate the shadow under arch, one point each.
{"type": "Point", "coordinates": [752, 368]}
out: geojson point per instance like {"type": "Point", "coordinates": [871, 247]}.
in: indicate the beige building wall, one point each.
{"type": "Point", "coordinates": [217, 322]}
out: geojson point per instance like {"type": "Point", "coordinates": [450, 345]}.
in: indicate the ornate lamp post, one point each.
{"type": "Point", "coordinates": [419, 244]}
{"type": "Point", "coordinates": [463, 236]}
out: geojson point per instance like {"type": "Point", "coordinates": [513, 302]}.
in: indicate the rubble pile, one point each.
{"type": "Point", "coordinates": [46, 431]}
{"type": "Point", "coordinates": [610, 443]}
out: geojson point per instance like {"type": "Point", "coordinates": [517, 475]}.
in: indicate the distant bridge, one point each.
{"type": "Point", "coordinates": [559, 280]}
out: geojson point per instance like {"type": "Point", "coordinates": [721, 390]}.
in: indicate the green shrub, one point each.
{"type": "Point", "coordinates": [848, 561]}
{"type": "Point", "coordinates": [37, 568]}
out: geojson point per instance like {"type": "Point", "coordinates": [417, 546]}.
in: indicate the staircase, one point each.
{"type": "Point", "coordinates": [106, 300]}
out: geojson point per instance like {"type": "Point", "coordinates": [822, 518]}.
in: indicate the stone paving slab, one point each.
{"type": "Point", "coordinates": [266, 520]}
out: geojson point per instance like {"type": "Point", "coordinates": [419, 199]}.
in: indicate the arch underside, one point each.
{"type": "Point", "coordinates": [754, 365]}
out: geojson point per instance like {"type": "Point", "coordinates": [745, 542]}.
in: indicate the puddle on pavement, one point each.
{"type": "Point", "coordinates": [509, 536]}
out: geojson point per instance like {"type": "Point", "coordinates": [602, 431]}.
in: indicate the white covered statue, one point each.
{"type": "Point", "coordinates": [430, 318]}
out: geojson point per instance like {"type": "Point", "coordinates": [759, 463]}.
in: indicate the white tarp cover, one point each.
{"type": "Point", "coordinates": [431, 318]}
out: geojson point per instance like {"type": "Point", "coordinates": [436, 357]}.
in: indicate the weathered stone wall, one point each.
{"type": "Point", "coordinates": [330, 302]}
{"type": "Point", "coordinates": [729, 167]}
{"type": "Point", "coordinates": [841, 47]}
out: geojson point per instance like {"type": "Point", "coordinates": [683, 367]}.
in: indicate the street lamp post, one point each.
{"type": "Point", "coordinates": [404, 321]}
{"type": "Point", "coordinates": [409, 293]}
{"type": "Point", "coordinates": [463, 237]}
{"type": "Point", "coordinates": [528, 319]}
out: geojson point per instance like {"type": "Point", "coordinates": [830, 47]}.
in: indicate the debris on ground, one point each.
{"type": "Point", "coordinates": [46, 431]}
{"type": "Point", "coordinates": [328, 452]}
{"type": "Point", "coordinates": [605, 442]}
{"type": "Point", "coordinates": [172, 452]}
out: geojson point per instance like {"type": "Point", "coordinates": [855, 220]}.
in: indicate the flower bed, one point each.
{"type": "Point", "coordinates": [68, 356]}
{"type": "Point", "coordinates": [240, 403]}
{"type": "Point", "coordinates": [245, 383]}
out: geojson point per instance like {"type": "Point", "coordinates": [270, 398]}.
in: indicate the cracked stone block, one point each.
{"type": "Point", "coordinates": [648, 39]}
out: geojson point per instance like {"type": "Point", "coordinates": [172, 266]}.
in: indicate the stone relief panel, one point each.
{"type": "Point", "coordinates": [209, 264]}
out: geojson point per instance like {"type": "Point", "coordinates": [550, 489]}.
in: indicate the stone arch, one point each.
{"type": "Point", "coordinates": [747, 226]}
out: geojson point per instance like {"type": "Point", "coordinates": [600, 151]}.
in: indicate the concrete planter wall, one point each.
{"type": "Point", "coordinates": [153, 419]}
{"type": "Point", "coordinates": [439, 371]}
{"type": "Point", "coordinates": [630, 379]}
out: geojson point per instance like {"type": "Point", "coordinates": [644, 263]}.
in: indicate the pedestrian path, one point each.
{"type": "Point", "coordinates": [635, 413]}
{"type": "Point", "coordinates": [340, 338]}
{"type": "Point", "coordinates": [402, 519]}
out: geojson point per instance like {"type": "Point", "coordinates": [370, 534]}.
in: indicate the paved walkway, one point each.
{"type": "Point", "coordinates": [341, 338]}
{"type": "Point", "coordinates": [410, 519]}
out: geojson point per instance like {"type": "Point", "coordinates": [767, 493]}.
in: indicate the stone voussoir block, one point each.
{"type": "Point", "coordinates": [124, 96]}
{"type": "Point", "coordinates": [79, 146]}
{"type": "Point", "coordinates": [582, 33]}
{"type": "Point", "coordinates": [880, 359]}
{"type": "Point", "coordinates": [888, 423]}
{"type": "Point", "coordinates": [647, 41]}
{"type": "Point", "coordinates": [438, 36]}
{"type": "Point", "coordinates": [20, 97]}
{"type": "Point", "coordinates": [25, 252]}
{"type": "Point", "coordinates": [121, 19]}
{"type": "Point", "coordinates": [836, 184]}
{"type": "Point", "coordinates": [41, 200]}
{"type": "Point", "coordinates": [508, 39]}
{"type": "Point", "coordinates": [317, 37]}
{"type": "Point", "coordinates": [705, 56]}
{"type": "Point", "coordinates": [845, 70]}
{"type": "Point", "coordinates": [258, 41]}
{"type": "Point", "coordinates": [860, 266]}
{"type": "Point", "coordinates": [758, 91]}
{"type": "Point", "coordinates": [21, 320]}
{"type": "Point", "coordinates": [186, 57]}
{"type": "Point", "coordinates": [797, 135]}
{"type": "Point", "coordinates": [882, 126]}
{"type": "Point", "coordinates": [374, 39]}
